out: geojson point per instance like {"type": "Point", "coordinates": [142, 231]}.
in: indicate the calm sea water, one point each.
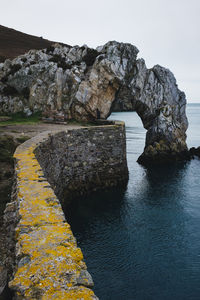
{"type": "Point", "coordinates": [143, 243]}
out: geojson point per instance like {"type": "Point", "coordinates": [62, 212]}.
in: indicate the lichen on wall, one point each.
{"type": "Point", "coordinates": [47, 262]}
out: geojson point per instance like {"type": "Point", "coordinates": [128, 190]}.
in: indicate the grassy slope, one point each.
{"type": "Point", "coordinates": [20, 118]}
{"type": "Point", "coordinates": [14, 43]}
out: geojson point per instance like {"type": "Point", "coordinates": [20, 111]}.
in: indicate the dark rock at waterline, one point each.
{"type": "Point", "coordinates": [194, 152]}
{"type": "Point", "coordinates": [154, 157]}
{"type": "Point", "coordinates": [163, 158]}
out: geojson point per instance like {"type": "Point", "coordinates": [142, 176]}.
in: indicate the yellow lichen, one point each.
{"type": "Point", "coordinates": [81, 293]}
{"type": "Point", "coordinates": [55, 260]}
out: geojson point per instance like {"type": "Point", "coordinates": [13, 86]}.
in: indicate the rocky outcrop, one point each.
{"type": "Point", "coordinates": [194, 152]}
{"type": "Point", "coordinates": [67, 82]}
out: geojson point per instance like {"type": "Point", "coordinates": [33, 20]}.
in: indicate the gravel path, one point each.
{"type": "Point", "coordinates": [32, 130]}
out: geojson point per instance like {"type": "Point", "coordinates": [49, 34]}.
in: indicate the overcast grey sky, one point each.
{"type": "Point", "coordinates": [167, 32]}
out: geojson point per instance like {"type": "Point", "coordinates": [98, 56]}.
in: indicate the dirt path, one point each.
{"type": "Point", "coordinates": [32, 130]}
{"type": "Point", "coordinates": [10, 137]}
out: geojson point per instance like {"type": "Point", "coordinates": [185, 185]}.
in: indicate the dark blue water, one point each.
{"type": "Point", "coordinates": [143, 243]}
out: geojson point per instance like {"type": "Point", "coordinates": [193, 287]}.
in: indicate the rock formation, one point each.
{"type": "Point", "coordinates": [67, 82]}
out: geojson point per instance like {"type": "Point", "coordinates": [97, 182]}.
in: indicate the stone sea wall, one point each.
{"type": "Point", "coordinates": [93, 158]}
{"type": "Point", "coordinates": [46, 262]}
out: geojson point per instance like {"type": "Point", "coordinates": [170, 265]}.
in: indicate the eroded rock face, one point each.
{"type": "Point", "coordinates": [86, 84]}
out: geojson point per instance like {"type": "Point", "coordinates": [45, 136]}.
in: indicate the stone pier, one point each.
{"type": "Point", "coordinates": [46, 263]}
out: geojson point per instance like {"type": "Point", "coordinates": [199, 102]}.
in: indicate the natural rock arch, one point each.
{"type": "Point", "coordinates": [119, 80]}
{"type": "Point", "coordinates": [85, 84]}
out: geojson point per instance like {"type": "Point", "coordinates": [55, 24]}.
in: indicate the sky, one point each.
{"type": "Point", "coordinates": [167, 32]}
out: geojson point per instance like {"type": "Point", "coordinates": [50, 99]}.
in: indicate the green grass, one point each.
{"type": "Point", "coordinates": [21, 118]}
{"type": "Point", "coordinates": [23, 138]}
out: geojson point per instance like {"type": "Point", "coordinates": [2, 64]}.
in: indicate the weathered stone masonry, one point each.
{"type": "Point", "coordinates": [47, 263]}
{"type": "Point", "coordinates": [92, 158]}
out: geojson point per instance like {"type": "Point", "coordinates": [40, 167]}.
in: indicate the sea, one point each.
{"type": "Point", "coordinates": [142, 242]}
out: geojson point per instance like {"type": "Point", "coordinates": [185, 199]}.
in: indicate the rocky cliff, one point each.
{"type": "Point", "coordinates": [67, 82]}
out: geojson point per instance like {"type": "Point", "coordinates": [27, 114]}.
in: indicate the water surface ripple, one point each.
{"type": "Point", "coordinates": [143, 242]}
